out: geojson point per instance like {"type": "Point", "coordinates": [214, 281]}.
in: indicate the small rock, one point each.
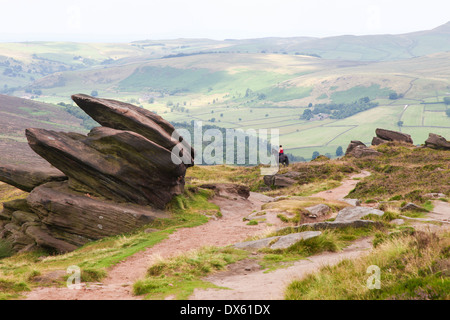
{"type": "Point", "coordinates": [398, 221]}
{"type": "Point", "coordinates": [286, 241]}
{"type": "Point", "coordinates": [318, 210]}
{"type": "Point", "coordinates": [353, 202]}
{"type": "Point", "coordinates": [413, 207]}
{"type": "Point", "coordinates": [435, 195]}
{"type": "Point", "coordinates": [150, 230]}
{"type": "Point", "coordinates": [355, 213]}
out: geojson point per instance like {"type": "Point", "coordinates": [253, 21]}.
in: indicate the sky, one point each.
{"type": "Point", "coordinates": [120, 21]}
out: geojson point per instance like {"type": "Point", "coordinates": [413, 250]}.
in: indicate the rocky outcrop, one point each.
{"type": "Point", "coordinates": [352, 145]}
{"type": "Point", "coordinates": [282, 180]}
{"type": "Point", "coordinates": [318, 210]}
{"type": "Point", "coordinates": [118, 165]}
{"type": "Point", "coordinates": [27, 178]}
{"type": "Point", "coordinates": [389, 135]}
{"type": "Point", "coordinates": [358, 149]}
{"type": "Point", "coordinates": [436, 141]}
{"type": "Point", "coordinates": [377, 141]}
{"type": "Point", "coordinates": [119, 178]}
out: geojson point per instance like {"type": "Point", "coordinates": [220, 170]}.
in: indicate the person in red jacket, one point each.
{"type": "Point", "coordinates": [281, 150]}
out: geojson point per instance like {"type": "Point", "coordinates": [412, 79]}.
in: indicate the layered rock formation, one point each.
{"type": "Point", "coordinates": [113, 180]}
{"type": "Point", "coordinates": [358, 149]}
{"type": "Point", "coordinates": [436, 141]}
{"type": "Point", "coordinates": [384, 136]}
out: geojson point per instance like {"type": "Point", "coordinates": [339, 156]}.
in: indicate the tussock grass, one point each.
{"type": "Point", "coordinates": [180, 275]}
{"type": "Point", "coordinates": [413, 266]}
{"type": "Point", "coordinates": [8, 193]}
{"type": "Point", "coordinates": [403, 172]}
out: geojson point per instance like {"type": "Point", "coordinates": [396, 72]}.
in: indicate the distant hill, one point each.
{"type": "Point", "coordinates": [18, 114]}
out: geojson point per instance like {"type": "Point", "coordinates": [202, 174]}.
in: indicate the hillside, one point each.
{"type": "Point", "coordinates": [191, 255]}
{"type": "Point", "coordinates": [254, 83]}
{"type": "Point", "coordinates": [16, 115]}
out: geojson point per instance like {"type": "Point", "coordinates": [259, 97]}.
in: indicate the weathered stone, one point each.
{"type": "Point", "coordinates": [277, 242]}
{"type": "Point", "coordinates": [356, 213]}
{"type": "Point", "coordinates": [352, 202]}
{"type": "Point", "coordinates": [279, 181]}
{"type": "Point", "coordinates": [124, 116]}
{"type": "Point", "coordinates": [361, 151]}
{"type": "Point", "coordinates": [397, 221]}
{"type": "Point", "coordinates": [20, 217]}
{"type": "Point", "coordinates": [390, 135]}
{"type": "Point", "coordinates": [256, 244]}
{"type": "Point", "coordinates": [353, 144]}
{"type": "Point", "coordinates": [413, 207]}
{"type": "Point", "coordinates": [285, 242]}
{"type": "Point", "coordinates": [318, 210]}
{"type": "Point", "coordinates": [63, 210]}
{"type": "Point", "coordinates": [27, 178]}
{"type": "Point", "coordinates": [377, 141]}
{"type": "Point", "coordinates": [437, 142]}
{"type": "Point", "coordinates": [118, 178]}
{"type": "Point", "coordinates": [44, 239]}
{"type": "Point", "coordinates": [119, 165]}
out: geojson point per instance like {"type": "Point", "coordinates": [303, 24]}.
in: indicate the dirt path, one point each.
{"type": "Point", "coordinates": [248, 282]}
{"type": "Point", "coordinates": [221, 232]}
{"type": "Point", "coordinates": [343, 190]}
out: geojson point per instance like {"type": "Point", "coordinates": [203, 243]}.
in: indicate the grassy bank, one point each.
{"type": "Point", "coordinates": [412, 266]}
{"type": "Point", "coordinates": [19, 273]}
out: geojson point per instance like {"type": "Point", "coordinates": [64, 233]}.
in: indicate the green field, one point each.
{"type": "Point", "coordinates": [254, 84]}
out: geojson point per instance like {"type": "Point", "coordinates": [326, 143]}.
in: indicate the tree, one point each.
{"type": "Point", "coordinates": [447, 112]}
{"type": "Point", "coordinates": [447, 100]}
{"type": "Point", "coordinates": [94, 93]}
{"type": "Point", "coordinates": [315, 154]}
{"type": "Point", "coordinates": [339, 151]}
{"type": "Point", "coordinates": [400, 123]}
{"type": "Point", "coordinates": [393, 96]}
{"type": "Point", "coordinates": [307, 114]}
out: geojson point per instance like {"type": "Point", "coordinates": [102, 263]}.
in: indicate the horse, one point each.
{"type": "Point", "coordinates": [283, 159]}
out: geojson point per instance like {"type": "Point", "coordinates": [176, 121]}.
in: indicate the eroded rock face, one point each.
{"type": "Point", "coordinates": [119, 177]}
{"type": "Point", "coordinates": [352, 145]}
{"type": "Point", "coordinates": [118, 165]}
{"type": "Point", "coordinates": [26, 178]}
{"type": "Point", "coordinates": [437, 142]}
{"type": "Point", "coordinates": [390, 135]}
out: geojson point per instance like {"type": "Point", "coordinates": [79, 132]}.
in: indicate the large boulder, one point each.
{"type": "Point", "coordinates": [437, 142]}
{"type": "Point", "coordinates": [390, 135]}
{"type": "Point", "coordinates": [377, 141]}
{"type": "Point", "coordinates": [119, 178]}
{"type": "Point", "coordinates": [118, 165]}
{"type": "Point", "coordinates": [27, 178]}
{"type": "Point", "coordinates": [124, 116]}
{"type": "Point", "coordinates": [352, 145]}
{"type": "Point", "coordinates": [360, 151]}
{"type": "Point", "coordinates": [282, 180]}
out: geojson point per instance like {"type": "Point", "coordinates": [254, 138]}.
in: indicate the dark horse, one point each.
{"type": "Point", "coordinates": [283, 159]}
